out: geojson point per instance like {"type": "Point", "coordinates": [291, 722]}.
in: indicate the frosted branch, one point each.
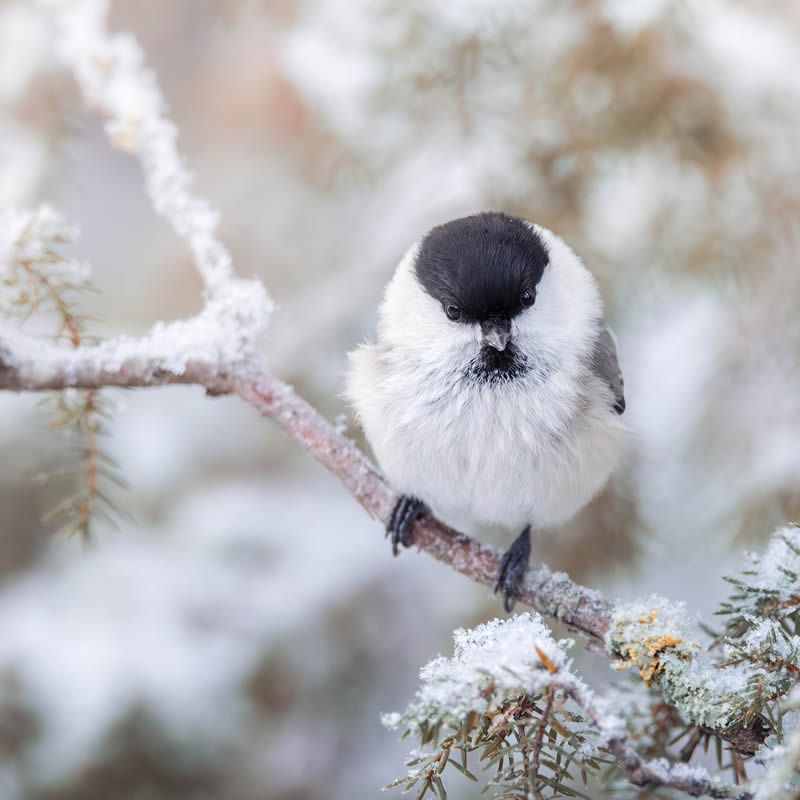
{"type": "Point", "coordinates": [169, 355]}
{"type": "Point", "coordinates": [113, 78]}
{"type": "Point", "coordinates": [502, 670]}
{"type": "Point", "coordinates": [206, 351]}
{"type": "Point", "coordinates": [694, 781]}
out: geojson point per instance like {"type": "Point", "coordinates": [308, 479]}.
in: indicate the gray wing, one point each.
{"type": "Point", "coordinates": [606, 366]}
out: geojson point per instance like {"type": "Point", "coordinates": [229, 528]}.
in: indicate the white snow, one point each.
{"type": "Point", "coordinates": [503, 654]}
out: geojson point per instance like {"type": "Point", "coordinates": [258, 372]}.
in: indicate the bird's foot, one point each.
{"type": "Point", "coordinates": [405, 512]}
{"type": "Point", "coordinates": [512, 568]}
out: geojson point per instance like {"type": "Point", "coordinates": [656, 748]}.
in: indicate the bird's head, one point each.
{"type": "Point", "coordinates": [490, 294]}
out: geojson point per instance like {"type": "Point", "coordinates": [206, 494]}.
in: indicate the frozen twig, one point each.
{"type": "Point", "coordinates": [694, 781]}
{"type": "Point", "coordinates": [113, 78]}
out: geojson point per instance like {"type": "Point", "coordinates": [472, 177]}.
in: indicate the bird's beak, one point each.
{"type": "Point", "coordinates": [496, 332]}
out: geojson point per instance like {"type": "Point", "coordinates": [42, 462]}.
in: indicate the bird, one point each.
{"type": "Point", "coordinates": [491, 393]}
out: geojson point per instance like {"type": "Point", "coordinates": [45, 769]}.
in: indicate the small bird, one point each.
{"type": "Point", "coordinates": [492, 393]}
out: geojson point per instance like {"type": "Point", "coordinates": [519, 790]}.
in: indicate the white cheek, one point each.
{"type": "Point", "coordinates": [412, 322]}
{"type": "Point", "coordinates": [530, 328]}
{"type": "Point", "coordinates": [522, 324]}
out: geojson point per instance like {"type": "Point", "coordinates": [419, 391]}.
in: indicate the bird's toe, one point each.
{"type": "Point", "coordinates": [513, 566]}
{"type": "Point", "coordinates": [405, 512]}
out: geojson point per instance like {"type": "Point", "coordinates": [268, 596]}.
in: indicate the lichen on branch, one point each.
{"type": "Point", "coordinates": [733, 693]}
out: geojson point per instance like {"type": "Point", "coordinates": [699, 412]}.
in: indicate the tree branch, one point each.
{"type": "Point", "coordinates": [30, 365]}
{"type": "Point", "coordinates": [694, 781]}
{"type": "Point", "coordinates": [583, 610]}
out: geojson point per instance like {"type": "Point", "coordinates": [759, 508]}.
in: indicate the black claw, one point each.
{"type": "Point", "coordinates": [405, 512]}
{"type": "Point", "coordinates": [512, 568]}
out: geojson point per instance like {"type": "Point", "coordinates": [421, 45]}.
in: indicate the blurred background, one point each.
{"type": "Point", "coordinates": [241, 636]}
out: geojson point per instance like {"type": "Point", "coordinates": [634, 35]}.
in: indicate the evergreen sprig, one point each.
{"type": "Point", "coordinates": [762, 632]}
{"type": "Point", "coordinates": [527, 745]}
{"type": "Point", "coordinates": [39, 281]}
{"type": "Point", "coordinates": [500, 699]}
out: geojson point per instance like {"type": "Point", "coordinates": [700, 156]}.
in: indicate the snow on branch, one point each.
{"type": "Point", "coordinates": [508, 693]}
{"type": "Point", "coordinates": [228, 337]}
{"type": "Point", "coordinates": [113, 77]}
{"type": "Point", "coordinates": [225, 339]}
{"type": "Point", "coordinates": [736, 692]}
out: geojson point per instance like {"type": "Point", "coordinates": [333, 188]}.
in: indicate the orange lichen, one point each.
{"type": "Point", "coordinates": [645, 654]}
{"type": "Point", "coordinates": [651, 617]}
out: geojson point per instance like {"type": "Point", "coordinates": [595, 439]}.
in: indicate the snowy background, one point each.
{"type": "Point", "coordinates": [241, 636]}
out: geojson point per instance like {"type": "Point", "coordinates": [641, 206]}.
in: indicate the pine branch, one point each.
{"type": "Point", "coordinates": [511, 678]}
{"type": "Point", "coordinates": [37, 280]}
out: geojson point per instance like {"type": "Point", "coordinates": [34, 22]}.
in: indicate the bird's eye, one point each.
{"type": "Point", "coordinates": [452, 311]}
{"type": "Point", "coordinates": [527, 298]}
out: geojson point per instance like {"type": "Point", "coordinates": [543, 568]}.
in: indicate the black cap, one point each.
{"type": "Point", "coordinates": [482, 264]}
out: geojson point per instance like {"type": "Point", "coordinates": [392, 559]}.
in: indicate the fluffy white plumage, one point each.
{"type": "Point", "coordinates": [527, 451]}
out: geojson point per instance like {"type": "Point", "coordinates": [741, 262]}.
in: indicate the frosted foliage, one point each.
{"type": "Point", "coordinates": [34, 236]}
{"type": "Point", "coordinates": [775, 571]}
{"type": "Point", "coordinates": [765, 644]}
{"type": "Point", "coordinates": [503, 653]}
{"type": "Point", "coordinates": [228, 336]}
{"type": "Point", "coordinates": [34, 239]}
{"type": "Point", "coordinates": [657, 637]}
{"type": "Point", "coordinates": [661, 641]}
